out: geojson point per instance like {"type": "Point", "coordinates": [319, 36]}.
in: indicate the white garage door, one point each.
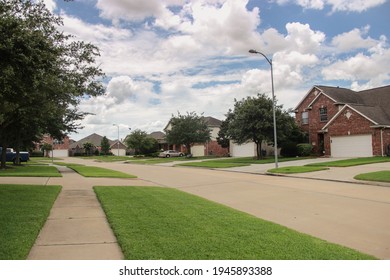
{"type": "Point", "coordinates": [351, 146]}
{"type": "Point", "coordinates": [197, 150]}
{"type": "Point", "coordinates": [244, 150]}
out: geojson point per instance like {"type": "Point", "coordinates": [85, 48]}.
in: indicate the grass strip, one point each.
{"type": "Point", "coordinates": [24, 210]}
{"type": "Point", "coordinates": [93, 171]}
{"type": "Point", "coordinates": [213, 164]}
{"type": "Point", "coordinates": [379, 176]}
{"type": "Point", "coordinates": [164, 223]}
{"type": "Point", "coordinates": [30, 171]}
{"type": "Point", "coordinates": [352, 162]}
{"type": "Point", "coordinates": [235, 162]}
{"type": "Point", "coordinates": [296, 169]}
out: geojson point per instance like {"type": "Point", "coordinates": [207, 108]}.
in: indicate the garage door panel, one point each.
{"type": "Point", "coordinates": [351, 146]}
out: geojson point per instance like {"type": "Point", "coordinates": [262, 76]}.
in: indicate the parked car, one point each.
{"type": "Point", "coordinates": [11, 155]}
{"type": "Point", "coordinates": [170, 153]}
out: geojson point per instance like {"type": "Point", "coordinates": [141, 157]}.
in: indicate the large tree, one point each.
{"type": "Point", "coordinates": [44, 73]}
{"type": "Point", "coordinates": [187, 130]}
{"type": "Point", "coordinates": [141, 142]}
{"type": "Point", "coordinates": [252, 120]}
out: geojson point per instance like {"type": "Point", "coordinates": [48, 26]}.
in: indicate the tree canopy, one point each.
{"type": "Point", "coordinates": [141, 142]}
{"type": "Point", "coordinates": [187, 130]}
{"type": "Point", "coordinates": [105, 146]}
{"type": "Point", "coordinates": [44, 74]}
{"type": "Point", "coordinates": [252, 120]}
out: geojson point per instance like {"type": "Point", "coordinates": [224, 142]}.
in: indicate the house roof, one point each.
{"type": "Point", "coordinates": [157, 135]}
{"type": "Point", "coordinates": [94, 138]}
{"type": "Point", "coordinates": [372, 104]}
{"type": "Point", "coordinates": [210, 121]}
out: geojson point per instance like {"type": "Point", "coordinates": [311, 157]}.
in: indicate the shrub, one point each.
{"type": "Point", "coordinates": [304, 149]}
{"type": "Point", "coordinates": [289, 149]}
{"type": "Point", "coordinates": [36, 154]}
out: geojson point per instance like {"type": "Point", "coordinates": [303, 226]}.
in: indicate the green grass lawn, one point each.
{"type": "Point", "coordinates": [107, 158]}
{"type": "Point", "coordinates": [28, 170]}
{"type": "Point", "coordinates": [146, 160]}
{"type": "Point", "coordinates": [92, 171]}
{"type": "Point", "coordinates": [24, 210]}
{"type": "Point", "coordinates": [213, 164]}
{"type": "Point", "coordinates": [379, 176]}
{"type": "Point", "coordinates": [296, 169]}
{"type": "Point", "coordinates": [164, 223]}
{"type": "Point", "coordinates": [236, 162]}
{"type": "Point", "coordinates": [352, 162]}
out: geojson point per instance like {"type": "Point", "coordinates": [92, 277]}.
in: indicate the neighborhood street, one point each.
{"type": "Point", "coordinates": [354, 215]}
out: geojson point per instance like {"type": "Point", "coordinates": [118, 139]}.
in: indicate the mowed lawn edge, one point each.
{"type": "Point", "coordinates": [378, 176]}
{"type": "Point", "coordinates": [30, 171]}
{"type": "Point", "coordinates": [99, 172]}
{"type": "Point", "coordinates": [163, 223]}
{"type": "Point", "coordinates": [24, 210]}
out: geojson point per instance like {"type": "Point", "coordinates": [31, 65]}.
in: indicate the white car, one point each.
{"type": "Point", "coordinates": [170, 153]}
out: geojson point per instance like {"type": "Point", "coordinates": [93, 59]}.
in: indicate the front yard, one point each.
{"type": "Point", "coordinates": [162, 223]}
{"type": "Point", "coordinates": [24, 210]}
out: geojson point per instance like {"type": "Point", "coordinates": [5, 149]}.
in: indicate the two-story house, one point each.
{"type": "Point", "coordinates": [203, 149]}
{"type": "Point", "coordinates": [344, 123]}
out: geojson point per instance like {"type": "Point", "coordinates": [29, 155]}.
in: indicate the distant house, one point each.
{"type": "Point", "coordinates": [60, 147]}
{"type": "Point", "coordinates": [77, 148]}
{"type": "Point", "coordinates": [118, 148]}
{"type": "Point", "coordinates": [344, 123]}
{"type": "Point", "coordinates": [210, 147]}
{"type": "Point", "coordinates": [160, 137]}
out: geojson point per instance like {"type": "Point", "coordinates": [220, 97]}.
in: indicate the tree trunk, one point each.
{"type": "Point", "coordinates": [3, 156]}
{"type": "Point", "coordinates": [188, 146]}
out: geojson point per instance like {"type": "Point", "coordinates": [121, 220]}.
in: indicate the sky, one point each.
{"type": "Point", "coordinates": [162, 57]}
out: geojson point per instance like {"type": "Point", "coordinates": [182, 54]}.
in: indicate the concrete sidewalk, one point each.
{"type": "Point", "coordinates": [77, 228]}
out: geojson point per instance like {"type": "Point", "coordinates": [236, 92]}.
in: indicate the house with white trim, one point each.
{"type": "Point", "coordinates": [344, 123]}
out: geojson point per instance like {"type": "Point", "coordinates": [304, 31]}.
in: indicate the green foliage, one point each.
{"type": "Point", "coordinates": [289, 149]}
{"type": "Point", "coordinates": [252, 120]}
{"type": "Point", "coordinates": [105, 146]}
{"type": "Point", "coordinates": [88, 147]}
{"type": "Point", "coordinates": [141, 142]}
{"type": "Point", "coordinates": [304, 149]}
{"type": "Point", "coordinates": [187, 130]}
{"type": "Point", "coordinates": [44, 73]}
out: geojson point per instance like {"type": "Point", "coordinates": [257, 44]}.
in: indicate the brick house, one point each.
{"type": "Point", "coordinates": [210, 147]}
{"type": "Point", "coordinates": [344, 123]}
{"type": "Point", "coordinates": [60, 147]}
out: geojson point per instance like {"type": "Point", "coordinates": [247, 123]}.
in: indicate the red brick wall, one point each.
{"type": "Point", "coordinates": [356, 124]}
{"type": "Point", "coordinates": [62, 145]}
{"type": "Point", "coordinates": [215, 149]}
{"type": "Point", "coordinates": [315, 124]}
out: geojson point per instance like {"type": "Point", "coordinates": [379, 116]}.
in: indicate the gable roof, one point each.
{"type": "Point", "coordinates": [372, 104]}
{"type": "Point", "coordinates": [210, 121]}
{"type": "Point", "coordinates": [94, 138]}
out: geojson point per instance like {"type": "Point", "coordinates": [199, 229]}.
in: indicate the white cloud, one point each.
{"type": "Point", "coordinates": [362, 67]}
{"type": "Point", "coordinates": [50, 4]}
{"type": "Point", "coordinates": [132, 10]}
{"type": "Point", "coordinates": [336, 5]}
{"type": "Point", "coordinates": [354, 40]}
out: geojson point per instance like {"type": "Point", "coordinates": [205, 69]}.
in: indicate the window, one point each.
{"type": "Point", "coordinates": [323, 114]}
{"type": "Point", "coordinates": [305, 117]}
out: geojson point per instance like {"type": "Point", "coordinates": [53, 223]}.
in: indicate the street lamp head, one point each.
{"type": "Point", "coordinates": [253, 51]}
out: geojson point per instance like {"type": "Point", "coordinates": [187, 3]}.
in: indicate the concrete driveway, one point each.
{"type": "Point", "coordinates": [354, 215]}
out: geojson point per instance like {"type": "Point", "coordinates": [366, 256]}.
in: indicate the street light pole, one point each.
{"type": "Point", "coordinates": [118, 137]}
{"type": "Point", "coordinates": [273, 105]}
